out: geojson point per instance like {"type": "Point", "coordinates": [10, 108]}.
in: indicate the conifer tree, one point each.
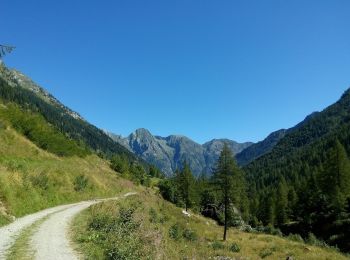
{"type": "Point", "coordinates": [334, 180]}
{"type": "Point", "coordinates": [282, 202]}
{"type": "Point", "coordinates": [186, 185]}
{"type": "Point", "coordinates": [229, 182]}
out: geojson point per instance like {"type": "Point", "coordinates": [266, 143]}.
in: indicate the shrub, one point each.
{"type": "Point", "coordinates": [246, 228]}
{"type": "Point", "coordinates": [296, 238]}
{"type": "Point", "coordinates": [175, 232]}
{"type": "Point", "coordinates": [153, 216]}
{"type": "Point", "coordinates": [216, 245]}
{"type": "Point", "coordinates": [118, 233]}
{"type": "Point", "coordinates": [235, 248]}
{"type": "Point", "coordinates": [271, 230]}
{"type": "Point", "coordinates": [126, 219]}
{"type": "Point", "coordinates": [100, 222]}
{"type": "Point", "coordinates": [190, 235]}
{"type": "Point", "coordinates": [41, 181]}
{"type": "Point", "coordinates": [265, 253]}
{"type": "Point", "coordinates": [80, 183]}
{"type": "Point", "coordinates": [313, 240]}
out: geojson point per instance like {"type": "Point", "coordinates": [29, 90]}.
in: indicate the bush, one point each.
{"type": "Point", "coordinates": [100, 222]}
{"type": "Point", "coordinates": [216, 245]}
{"type": "Point", "coordinates": [246, 228]}
{"type": "Point", "coordinates": [80, 183]}
{"type": "Point", "coordinates": [265, 253]}
{"type": "Point", "coordinates": [235, 248]}
{"type": "Point", "coordinates": [41, 181]}
{"type": "Point", "coordinates": [153, 216]}
{"type": "Point", "coordinates": [175, 232]}
{"type": "Point", "coordinates": [126, 219]}
{"type": "Point", "coordinates": [271, 230]}
{"type": "Point", "coordinates": [117, 233]}
{"type": "Point", "coordinates": [312, 240]}
{"type": "Point", "coordinates": [296, 238]}
{"type": "Point", "coordinates": [190, 235]}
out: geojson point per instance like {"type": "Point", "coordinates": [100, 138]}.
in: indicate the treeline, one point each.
{"type": "Point", "coordinates": [303, 185]}
{"type": "Point", "coordinates": [76, 129]}
{"type": "Point", "coordinates": [222, 197]}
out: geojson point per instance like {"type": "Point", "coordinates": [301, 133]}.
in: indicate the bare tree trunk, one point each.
{"type": "Point", "coordinates": [225, 221]}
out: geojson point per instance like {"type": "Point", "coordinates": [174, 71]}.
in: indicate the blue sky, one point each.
{"type": "Point", "coordinates": [204, 69]}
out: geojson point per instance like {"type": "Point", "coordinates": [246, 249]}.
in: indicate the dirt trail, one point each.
{"type": "Point", "coordinates": [51, 240]}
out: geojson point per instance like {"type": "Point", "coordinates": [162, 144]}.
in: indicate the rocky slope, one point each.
{"type": "Point", "coordinates": [169, 153]}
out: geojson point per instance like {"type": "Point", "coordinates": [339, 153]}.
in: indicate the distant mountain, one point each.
{"type": "Point", "coordinates": [15, 78]}
{"type": "Point", "coordinates": [263, 147]}
{"type": "Point", "coordinates": [169, 153]}
{"type": "Point", "coordinates": [17, 88]}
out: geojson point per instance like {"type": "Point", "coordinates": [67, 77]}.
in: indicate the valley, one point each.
{"type": "Point", "coordinates": [44, 165]}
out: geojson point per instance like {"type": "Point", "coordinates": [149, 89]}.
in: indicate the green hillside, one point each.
{"type": "Point", "coordinates": [303, 184]}
{"type": "Point", "coordinates": [32, 178]}
{"type": "Point", "coordinates": [145, 226]}
{"type": "Point", "coordinates": [13, 90]}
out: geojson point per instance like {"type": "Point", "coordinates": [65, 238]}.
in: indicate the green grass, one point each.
{"type": "Point", "coordinates": [32, 179]}
{"type": "Point", "coordinates": [165, 233]}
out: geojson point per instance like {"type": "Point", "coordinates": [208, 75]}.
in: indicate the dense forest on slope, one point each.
{"type": "Point", "coordinates": [258, 149]}
{"type": "Point", "coordinates": [74, 128]}
{"type": "Point", "coordinates": [303, 184]}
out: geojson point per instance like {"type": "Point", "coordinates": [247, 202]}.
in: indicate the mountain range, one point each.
{"type": "Point", "coordinates": [169, 153]}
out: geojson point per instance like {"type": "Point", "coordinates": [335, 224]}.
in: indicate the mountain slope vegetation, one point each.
{"type": "Point", "coordinates": [302, 185]}
{"type": "Point", "coordinates": [260, 148]}
{"type": "Point", "coordinates": [146, 227]}
{"type": "Point", "coordinates": [34, 98]}
{"type": "Point", "coordinates": [40, 167]}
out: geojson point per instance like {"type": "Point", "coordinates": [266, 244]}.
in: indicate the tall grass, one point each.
{"type": "Point", "coordinates": [165, 233]}
{"type": "Point", "coordinates": [32, 179]}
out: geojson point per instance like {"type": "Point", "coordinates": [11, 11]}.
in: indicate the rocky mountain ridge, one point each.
{"type": "Point", "coordinates": [169, 153]}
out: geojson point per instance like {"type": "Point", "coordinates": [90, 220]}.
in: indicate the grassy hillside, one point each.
{"type": "Point", "coordinates": [145, 226]}
{"type": "Point", "coordinates": [32, 178]}
{"type": "Point", "coordinates": [59, 116]}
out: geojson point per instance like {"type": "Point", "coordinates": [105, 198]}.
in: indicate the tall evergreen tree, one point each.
{"type": "Point", "coordinates": [282, 203]}
{"type": "Point", "coordinates": [334, 180]}
{"type": "Point", "coordinates": [229, 181]}
{"type": "Point", "coordinates": [186, 183]}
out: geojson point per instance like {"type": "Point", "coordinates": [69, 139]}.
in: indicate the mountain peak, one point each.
{"type": "Point", "coordinates": [169, 153]}
{"type": "Point", "coordinates": [142, 132]}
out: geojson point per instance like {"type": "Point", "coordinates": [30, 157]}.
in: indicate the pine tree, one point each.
{"type": "Point", "coordinates": [334, 180]}
{"type": "Point", "coordinates": [282, 202]}
{"type": "Point", "coordinates": [186, 185]}
{"type": "Point", "coordinates": [229, 182]}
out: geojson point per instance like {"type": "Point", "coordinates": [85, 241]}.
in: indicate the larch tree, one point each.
{"type": "Point", "coordinates": [186, 183]}
{"type": "Point", "coordinates": [229, 182]}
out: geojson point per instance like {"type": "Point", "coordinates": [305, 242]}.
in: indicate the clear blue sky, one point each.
{"type": "Point", "coordinates": [204, 69]}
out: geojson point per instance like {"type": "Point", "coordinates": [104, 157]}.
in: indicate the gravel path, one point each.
{"type": "Point", "coordinates": [9, 233]}
{"type": "Point", "coordinates": [51, 240]}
